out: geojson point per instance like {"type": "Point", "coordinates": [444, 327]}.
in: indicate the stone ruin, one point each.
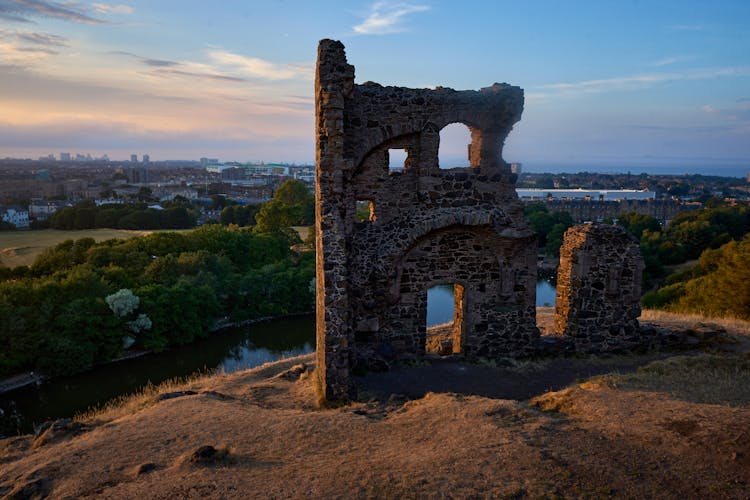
{"type": "Point", "coordinates": [427, 226]}
{"type": "Point", "coordinates": [599, 288]}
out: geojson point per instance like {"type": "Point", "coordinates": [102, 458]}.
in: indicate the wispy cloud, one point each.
{"type": "Point", "coordinates": [171, 72]}
{"type": "Point", "coordinates": [254, 67]}
{"type": "Point", "coordinates": [668, 61]}
{"type": "Point", "coordinates": [159, 63]}
{"type": "Point", "coordinates": [25, 10]}
{"type": "Point", "coordinates": [103, 8]}
{"type": "Point", "coordinates": [25, 48]}
{"type": "Point", "coordinates": [634, 82]}
{"type": "Point", "coordinates": [387, 17]}
{"type": "Point", "coordinates": [42, 39]}
{"type": "Point", "coordinates": [224, 66]}
{"type": "Point", "coordinates": [164, 68]}
{"type": "Point", "coordinates": [13, 54]}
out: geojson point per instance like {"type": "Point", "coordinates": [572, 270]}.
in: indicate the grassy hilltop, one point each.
{"type": "Point", "coordinates": [676, 427]}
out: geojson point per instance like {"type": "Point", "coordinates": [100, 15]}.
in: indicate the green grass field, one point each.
{"type": "Point", "coordinates": [20, 248]}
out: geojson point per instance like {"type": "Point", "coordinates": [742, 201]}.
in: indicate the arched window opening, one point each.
{"type": "Point", "coordinates": [397, 160]}
{"type": "Point", "coordinates": [455, 140]}
{"type": "Point", "coordinates": [445, 319]}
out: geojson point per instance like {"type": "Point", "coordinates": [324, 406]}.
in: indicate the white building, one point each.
{"type": "Point", "coordinates": [108, 201]}
{"type": "Point", "coordinates": [19, 218]}
{"type": "Point", "coordinates": [167, 194]}
{"type": "Point", "coordinates": [42, 209]}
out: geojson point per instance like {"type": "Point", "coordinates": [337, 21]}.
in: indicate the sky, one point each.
{"type": "Point", "coordinates": [609, 84]}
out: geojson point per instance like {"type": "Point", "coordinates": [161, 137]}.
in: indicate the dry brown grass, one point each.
{"type": "Point", "coordinates": [681, 320]}
{"type": "Point", "coordinates": [128, 404]}
{"type": "Point", "coordinates": [251, 435]}
{"type": "Point", "coordinates": [650, 434]}
{"type": "Point", "coordinates": [704, 378]}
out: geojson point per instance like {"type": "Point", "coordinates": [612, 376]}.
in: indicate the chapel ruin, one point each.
{"type": "Point", "coordinates": [427, 226]}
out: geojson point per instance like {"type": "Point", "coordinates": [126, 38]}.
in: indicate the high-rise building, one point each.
{"type": "Point", "coordinates": [134, 158]}
{"type": "Point", "coordinates": [209, 161]}
{"type": "Point", "coordinates": [146, 158]}
{"type": "Point", "coordinates": [64, 156]}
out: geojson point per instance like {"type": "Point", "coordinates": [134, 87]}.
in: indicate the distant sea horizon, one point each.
{"type": "Point", "coordinates": [735, 167]}
{"type": "Point", "coordinates": [741, 171]}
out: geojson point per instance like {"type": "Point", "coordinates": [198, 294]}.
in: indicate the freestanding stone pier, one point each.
{"type": "Point", "coordinates": [427, 226]}
{"type": "Point", "coordinates": [599, 288]}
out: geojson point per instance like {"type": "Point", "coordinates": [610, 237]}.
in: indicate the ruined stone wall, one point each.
{"type": "Point", "coordinates": [428, 226]}
{"type": "Point", "coordinates": [599, 288]}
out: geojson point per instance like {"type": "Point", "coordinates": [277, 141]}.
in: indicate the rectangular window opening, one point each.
{"type": "Point", "coordinates": [365, 211]}
{"type": "Point", "coordinates": [397, 160]}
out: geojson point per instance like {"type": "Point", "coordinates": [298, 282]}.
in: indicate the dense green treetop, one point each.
{"type": "Point", "coordinates": [82, 302]}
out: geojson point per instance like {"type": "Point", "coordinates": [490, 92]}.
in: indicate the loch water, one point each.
{"type": "Point", "coordinates": [229, 350]}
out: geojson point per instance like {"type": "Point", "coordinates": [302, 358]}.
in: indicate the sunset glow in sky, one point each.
{"type": "Point", "coordinates": [608, 83]}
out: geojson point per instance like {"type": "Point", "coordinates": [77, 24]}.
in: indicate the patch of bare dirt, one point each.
{"type": "Point", "coordinates": [256, 434]}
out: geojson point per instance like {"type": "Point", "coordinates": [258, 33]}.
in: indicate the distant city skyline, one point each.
{"type": "Point", "coordinates": [655, 86]}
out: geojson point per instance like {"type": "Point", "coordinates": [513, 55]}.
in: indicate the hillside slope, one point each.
{"type": "Point", "coordinates": [623, 435]}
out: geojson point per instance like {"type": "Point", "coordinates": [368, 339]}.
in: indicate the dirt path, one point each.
{"type": "Point", "coordinates": [521, 382]}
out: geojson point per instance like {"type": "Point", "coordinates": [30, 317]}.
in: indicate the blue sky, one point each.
{"type": "Point", "coordinates": [609, 84]}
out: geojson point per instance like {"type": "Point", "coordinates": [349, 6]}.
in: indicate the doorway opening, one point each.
{"type": "Point", "coordinates": [445, 319]}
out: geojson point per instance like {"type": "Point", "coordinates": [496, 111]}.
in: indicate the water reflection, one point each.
{"type": "Point", "coordinates": [230, 350]}
{"type": "Point", "coordinates": [440, 305]}
{"type": "Point", "coordinates": [440, 299]}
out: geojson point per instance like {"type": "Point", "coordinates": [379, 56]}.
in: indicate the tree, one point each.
{"type": "Point", "coordinates": [62, 219]}
{"type": "Point", "coordinates": [107, 217]}
{"type": "Point", "coordinates": [636, 223]}
{"type": "Point", "coordinates": [64, 255]}
{"type": "Point", "coordinates": [292, 192]}
{"type": "Point", "coordinates": [722, 288]}
{"type": "Point", "coordinates": [177, 218]}
{"type": "Point", "coordinates": [122, 302]}
{"type": "Point", "coordinates": [145, 194]}
{"type": "Point", "coordinates": [292, 205]}
{"type": "Point", "coordinates": [239, 215]}
{"type": "Point", "coordinates": [543, 223]}
{"type": "Point", "coordinates": [555, 239]}
{"type": "Point", "coordinates": [84, 218]}
{"type": "Point", "coordinates": [141, 219]}
{"type": "Point", "coordinates": [219, 201]}
{"type": "Point", "coordinates": [274, 215]}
